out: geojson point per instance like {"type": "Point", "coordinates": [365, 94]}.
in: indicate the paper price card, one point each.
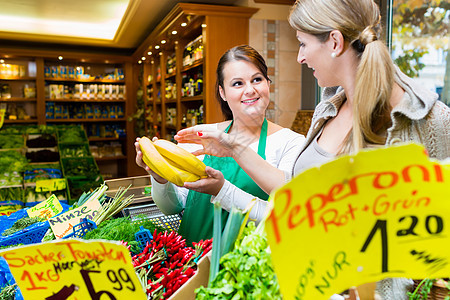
{"type": "Point", "coordinates": [47, 209]}
{"type": "Point", "coordinates": [50, 185]}
{"type": "Point", "coordinates": [62, 224]}
{"type": "Point", "coordinates": [358, 219]}
{"type": "Point", "coordinates": [74, 270]}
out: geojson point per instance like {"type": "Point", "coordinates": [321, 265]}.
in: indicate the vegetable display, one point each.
{"type": "Point", "coordinates": [166, 263]}
{"type": "Point", "coordinates": [246, 272]}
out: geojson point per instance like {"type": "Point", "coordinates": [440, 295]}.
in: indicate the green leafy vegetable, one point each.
{"type": "Point", "coordinates": [246, 272]}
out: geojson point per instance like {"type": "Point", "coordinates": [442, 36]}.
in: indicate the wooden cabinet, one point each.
{"type": "Point", "coordinates": [88, 89]}
{"type": "Point", "coordinates": [18, 90]}
{"type": "Point", "coordinates": [180, 58]}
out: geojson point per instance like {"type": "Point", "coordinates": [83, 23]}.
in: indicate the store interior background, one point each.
{"type": "Point", "coordinates": [293, 88]}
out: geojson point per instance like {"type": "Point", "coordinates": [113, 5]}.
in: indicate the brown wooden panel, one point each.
{"type": "Point", "coordinates": [222, 33]}
{"type": "Point", "coordinates": [287, 2]}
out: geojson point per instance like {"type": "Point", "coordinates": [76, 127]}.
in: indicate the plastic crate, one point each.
{"type": "Point", "coordinates": [68, 163]}
{"type": "Point", "coordinates": [76, 186]}
{"type": "Point", "coordinates": [152, 212]}
{"type": "Point", "coordinates": [27, 236]}
{"type": "Point", "coordinates": [74, 150]}
{"type": "Point", "coordinates": [75, 129]}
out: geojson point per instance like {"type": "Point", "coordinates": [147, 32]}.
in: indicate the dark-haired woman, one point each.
{"type": "Point", "coordinates": [242, 90]}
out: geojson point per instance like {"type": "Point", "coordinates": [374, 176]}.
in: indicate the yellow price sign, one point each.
{"type": "Point", "coordinates": [50, 185]}
{"type": "Point", "coordinates": [381, 213]}
{"type": "Point", "coordinates": [46, 209]}
{"type": "Point", "coordinates": [74, 269]}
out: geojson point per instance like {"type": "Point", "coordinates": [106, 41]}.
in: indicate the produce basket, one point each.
{"type": "Point", "coordinates": [77, 186]}
{"type": "Point", "coordinates": [74, 150]}
{"type": "Point", "coordinates": [12, 142]}
{"type": "Point", "coordinates": [80, 168]}
{"type": "Point", "coordinates": [152, 212]}
{"type": "Point", "coordinates": [44, 140]}
{"type": "Point", "coordinates": [72, 134]}
{"type": "Point", "coordinates": [438, 291]}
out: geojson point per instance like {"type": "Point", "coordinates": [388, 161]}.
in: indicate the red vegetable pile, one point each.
{"type": "Point", "coordinates": [167, 263]}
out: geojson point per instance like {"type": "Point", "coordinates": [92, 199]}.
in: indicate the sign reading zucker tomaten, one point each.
{"type": "Point", "coordinates": [74, 269]}
{"type": "Point", "coordinates": [381, 213]}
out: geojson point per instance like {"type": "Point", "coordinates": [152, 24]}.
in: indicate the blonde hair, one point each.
{"type": "Point", "coordinates": [359, 23]}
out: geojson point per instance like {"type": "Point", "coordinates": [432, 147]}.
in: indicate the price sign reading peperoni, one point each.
{"type": "Point", "coordinates": [381, 213]}
{"type": "Point", "coordinates": [74, 269]}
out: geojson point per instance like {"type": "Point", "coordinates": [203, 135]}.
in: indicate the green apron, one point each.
{"type": "Point", "coordinates": [197, 221]}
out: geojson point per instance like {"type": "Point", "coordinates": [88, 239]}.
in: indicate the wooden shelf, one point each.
{"type": "Point", "coordinates": [17, 99]}
{"type": "Point", "coordinates": [18, 78]}
{"type": "Point", "coordinates": [87, 100]}
{"type": "Point", "coordinates": [193, 98]}
{"type": "Point", "coordinates": [172, 75]}
{"type": "Point", "coordinates": [7, 121]}
{"type": "Point", "coordinates": [110, 158]}
{"type": "Point", "coordinates": [104, 139]}
{"type": "Point", "coordinates": [83, 120]}
{"type": "Point", "coordinates": [84, 80]}
{"type": "Point", "coordinates": [195, 64]}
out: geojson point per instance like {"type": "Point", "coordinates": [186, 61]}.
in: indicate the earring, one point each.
{"type": "Point", "coordinates": [333, 54]}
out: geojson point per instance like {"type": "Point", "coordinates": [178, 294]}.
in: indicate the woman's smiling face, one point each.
{"type": "Point", "coordinates": [245, 89]}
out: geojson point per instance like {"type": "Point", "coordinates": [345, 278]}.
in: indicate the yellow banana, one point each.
{"type": "Point", "coordinates": [161, 166]}
{"type": "Point", "coordinates": [180, 157]}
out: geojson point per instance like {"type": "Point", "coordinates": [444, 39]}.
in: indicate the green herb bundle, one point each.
{"type": "Point", "coordinates": [121, 229]}
{"type": "Point", "coordinates": [246, 272]}
{"type": "Point", "coordinates": [21, 224]}
{"type": "Point", "coordinates": [8, 292]}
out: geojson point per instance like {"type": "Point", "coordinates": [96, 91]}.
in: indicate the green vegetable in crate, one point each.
{"type": "Point", "coordinates": [122, 229]}
{"type": "Point", "coordinates": [79, 167]}
{"type": "Point", "coordinates": [8, 292]}
{"type": "Point", "coordinates": [11, 141]}
{"type": "Point", "coordinates": [71, 135]}
{"type": "Point", "coordinates": [12, 161]}
{"type": "Point", "coordinates": [21, 224]}
{"type": "Point", "coordinates": [246, 272]}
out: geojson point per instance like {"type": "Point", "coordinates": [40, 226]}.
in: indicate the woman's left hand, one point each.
{"type": "Point", "coordinates": [210, 185]}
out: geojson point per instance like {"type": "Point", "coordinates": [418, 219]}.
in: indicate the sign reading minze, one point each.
{"type": "Point", "coordinates": [63, 224]}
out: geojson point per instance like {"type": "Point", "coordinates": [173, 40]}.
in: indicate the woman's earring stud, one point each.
{"type": "Point", "coordinates": [333, 54]}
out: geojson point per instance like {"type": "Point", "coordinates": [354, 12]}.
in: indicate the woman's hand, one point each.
{"type": "Point", "coordinates": [210, 185]}
{"type": "Point", "coordinates": [214, 142]}
{"type": "Point", "coordinates": [141, 163]}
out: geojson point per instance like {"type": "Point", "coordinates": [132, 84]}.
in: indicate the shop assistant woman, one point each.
{"type": "Point", "coordinates": [242, 90]}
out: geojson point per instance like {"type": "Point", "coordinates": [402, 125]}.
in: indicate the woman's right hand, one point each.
{"type": "Point", "coordinates": [214, 142]}
{"type": "Point", "coordinates": [140, 163]}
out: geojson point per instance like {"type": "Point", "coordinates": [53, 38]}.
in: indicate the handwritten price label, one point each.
{"type": "Point", "coordinates": [50, 185]}
{"type": "Point", "coordinates": [74, 269]}
{"type": "Point", "coordinates": [46, 209]}
{"type": "Point", "coordinates": [62, 225]}
{"type": "Point", "coordinates": [382, 213]}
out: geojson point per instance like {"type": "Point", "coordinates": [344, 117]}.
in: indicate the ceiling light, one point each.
{"type": "Point", "coordinates": [184, 24]}
{"type": "Point", "coordinates": [174, 32]}
{"type": "Point", "coordinates": [2, 61]}
{"type": "Point", "coordinates": [203, 25]}
{"type": "Point", "coordinates": [149, 53]}
{"type": "Point", "coordinates": [157, 47]}
{"type": "Point", "coordinates": [143, 58]}
{"type": "Point", "coordinates": [60, 57]}
{"type": "Point", "coordinates": [160, 53]}
{"type": "Point", "coordinates": [163, 41]}
{"type": "Point", "coordinates": [140, 62]}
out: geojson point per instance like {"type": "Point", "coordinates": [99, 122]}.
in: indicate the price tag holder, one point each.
{"type": "Point", "coordinates": [74, 269]}
{"type": "Point", "coordinates": [62, 224]}
{"type": "Point", "coordinates": [50, 185]}
{"type": "Point", "coordinates": [2, 113]}
{"type": "Point", "coordinates": [381, 213]}
{"type": "Point", "coordinates": [46, 209]}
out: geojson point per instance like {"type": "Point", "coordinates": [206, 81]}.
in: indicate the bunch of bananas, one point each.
{"type": "Point", "coordinates": [171, 161]}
